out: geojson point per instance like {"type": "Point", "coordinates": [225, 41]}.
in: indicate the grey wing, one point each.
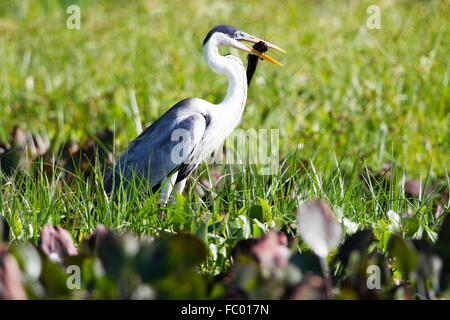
{"type": "Point", "coordinates": [168, 143]}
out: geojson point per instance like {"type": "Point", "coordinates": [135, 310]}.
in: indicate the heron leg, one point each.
{"type": "Point", "coordinates": [167, 187]}
{"type": "Point", "coordinates": [166, 190]}
{"type": "Point", "coordinates": [179, 187]}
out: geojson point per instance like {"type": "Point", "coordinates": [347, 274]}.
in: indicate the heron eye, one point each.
{"type": "Point", "coordinates": [238, 34]}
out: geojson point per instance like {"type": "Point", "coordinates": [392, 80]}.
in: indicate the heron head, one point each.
{"type": "Point", "coordinates": [226, 35]}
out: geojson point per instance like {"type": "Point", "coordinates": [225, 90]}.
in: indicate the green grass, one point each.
{"type": "Point", "coordinates": [347, 98]}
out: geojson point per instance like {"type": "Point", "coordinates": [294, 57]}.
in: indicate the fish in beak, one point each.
{"type": "Point", "coordinates": [241, 36]}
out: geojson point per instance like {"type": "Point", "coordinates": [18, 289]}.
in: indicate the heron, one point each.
{"type": "Point", "coordinates": [172, 147]}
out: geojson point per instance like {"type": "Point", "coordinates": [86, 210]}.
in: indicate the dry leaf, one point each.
{"type": "Point", "coordinates": [318, 227]}
{"type": "Point", "coordinates": [56, 243]}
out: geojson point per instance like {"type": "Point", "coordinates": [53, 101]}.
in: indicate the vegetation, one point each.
{"type": "Point", "coordinates": [363, 117]}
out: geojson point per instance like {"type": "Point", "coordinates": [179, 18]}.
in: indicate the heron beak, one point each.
{"type": "Point", "coordinates": [252, 39]}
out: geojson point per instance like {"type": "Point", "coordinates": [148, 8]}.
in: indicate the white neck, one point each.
{"type": "Point", "coordinates": [234, 69]}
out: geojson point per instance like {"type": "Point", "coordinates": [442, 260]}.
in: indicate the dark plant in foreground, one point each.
{"type": "Point", "coordinates": [107, 265]}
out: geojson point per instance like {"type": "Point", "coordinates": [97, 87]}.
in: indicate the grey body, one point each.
{"type": "Point", "coordinates": [149, 158]}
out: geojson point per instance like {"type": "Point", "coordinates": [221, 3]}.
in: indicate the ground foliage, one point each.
{"type": "Point", "coordinates": [364, 126]}
{"type": "Point", "coordinates": [123, 266]}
